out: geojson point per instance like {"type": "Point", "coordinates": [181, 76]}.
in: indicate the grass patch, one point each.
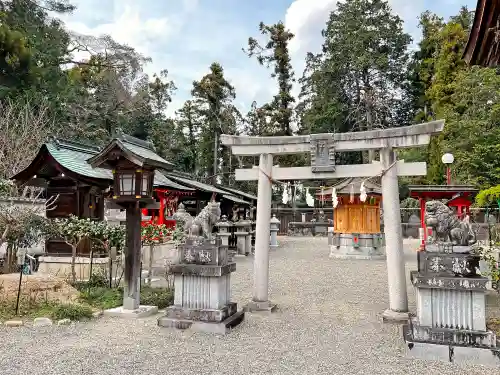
{"type": "Point", "coordinates": [102, 298]}
{"type": "Point", "coordinates": [94, 294]}
{"type": "Point", "coordinates": [107, 298]}
{"type": "Point", "coordinates": [97, 293]}
{"type": "Point", "coordinates": [160, 297]}
{"type": "Point", "coordinates": [50, 309]}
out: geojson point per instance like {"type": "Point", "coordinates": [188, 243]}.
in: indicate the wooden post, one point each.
{"type": "Point", "coordinates": [131, 296]}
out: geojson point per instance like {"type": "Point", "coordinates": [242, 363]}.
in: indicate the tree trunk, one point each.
{"type": "Point", "coordinates": [8, 258]}
{"type": "Point", "coordinates": [73, 261]}
{"type": "Point", "coordinates": [4, 235]}
{"type": "Point", "coordinates": [369, 121]}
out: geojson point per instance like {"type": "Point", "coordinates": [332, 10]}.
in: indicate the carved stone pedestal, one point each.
{"type": "Point", "coordinates": [357, 246]}
{"type": "Point", "coordinates": [451, 307]}
{"type": "Point", "coordinates": [202, 282]}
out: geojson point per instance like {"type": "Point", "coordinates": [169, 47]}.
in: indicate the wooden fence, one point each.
{"type": "Point", "coordinates": [410, 218]}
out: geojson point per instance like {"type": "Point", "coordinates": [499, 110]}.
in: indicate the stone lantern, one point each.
{"type": "Point", "coordinates": [133, 163]}
{"type": "Point", "coordinates": [274, 228]}
{"type": "Point", "coordinates": [224, 232]}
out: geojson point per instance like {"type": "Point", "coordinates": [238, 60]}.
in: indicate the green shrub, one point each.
{"type": "Point", "coordinates": [97, 280]}
{"type": "Point", "coordinates": [160, 297]}
{"type": "Point", "coordinates": [71, 311]}
{"type": "Point", "coordinates": [102, 297]}
{"type": "Point", "coordinates": [107, 298]}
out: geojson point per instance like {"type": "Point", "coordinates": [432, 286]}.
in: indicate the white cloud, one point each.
{"type": "Point", "coordinates": [306, 19]}
{"type": "Point", "coordinates": [187, 50]}
{"type": "Point", "coordinates": [128, 28]}
{"type": "Point", "coordinates": [190, 5]}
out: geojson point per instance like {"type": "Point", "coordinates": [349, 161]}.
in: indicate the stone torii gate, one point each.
{"type": "Point", "coordinates": [323, 148]}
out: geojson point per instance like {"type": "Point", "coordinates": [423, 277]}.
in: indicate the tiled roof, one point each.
{"type": "Point", "coordinates": [137, 150]}
{"type": "Point", "coordinates": [234, 199]}
{"type": "Point", "coordinates": [75, 159]}
{"type": "Point", "coordinates": [162, 180]}
{"type": "Point", "coordinates": [197, 184]}
{"type": "Point", "coordinates": [239, 192]}
{"type": "Point", "coordinates": [141, 148]}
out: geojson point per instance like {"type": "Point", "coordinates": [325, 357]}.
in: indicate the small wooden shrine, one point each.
{"type": "Point", "coordinates": [356, 218]}
{"type": "Point", "coordinates": [352, 215]}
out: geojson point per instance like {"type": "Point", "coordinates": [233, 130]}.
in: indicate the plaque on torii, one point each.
{"type": "Point", "coordinates": [322, 153]}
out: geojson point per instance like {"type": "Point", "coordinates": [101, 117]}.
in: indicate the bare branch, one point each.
{"type": "Point", "coordinates": [24, 126]}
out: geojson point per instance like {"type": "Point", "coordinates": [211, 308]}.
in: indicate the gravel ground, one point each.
{"type": "Point", "coordinates": [328, 322]}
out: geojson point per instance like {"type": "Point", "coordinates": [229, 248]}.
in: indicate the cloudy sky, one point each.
{"type": "Point", "coordinates": [186, 36]}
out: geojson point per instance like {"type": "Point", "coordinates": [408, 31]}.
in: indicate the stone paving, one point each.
{"type": "Point", "coordinates": [328, 322]}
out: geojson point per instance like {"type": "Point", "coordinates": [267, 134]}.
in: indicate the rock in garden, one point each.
{"type": "Point", "coordinates": [13, 323]}
{"type": "Point", "coordinates": [64, 322]}
{"type": "Point", "coordinates": [42, 322]}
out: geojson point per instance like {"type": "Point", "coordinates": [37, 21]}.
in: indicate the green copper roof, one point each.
{"type": "Point", "coordinates": [136, 150]}
{"type": "Point", "coordinates": [144, 152]}
{"type": "Point", "coordinates": [75, 159]}
{"type": "Point", "coordinates": [74, 156]}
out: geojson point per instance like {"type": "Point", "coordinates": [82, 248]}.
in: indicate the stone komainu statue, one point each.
{"type": "Point", "coordinates": [202, 224]}
{"type": "Point", "coordinates": [446, 226]}
{"type": "Point", "coordinates": [182, 216]}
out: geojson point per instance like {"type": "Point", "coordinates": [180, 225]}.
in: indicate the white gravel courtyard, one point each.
{"type": "Point", "coordinates": [328, 322]}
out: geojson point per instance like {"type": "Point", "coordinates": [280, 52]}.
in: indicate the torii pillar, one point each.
{"type": "Point", "coordinates": [323, 148]}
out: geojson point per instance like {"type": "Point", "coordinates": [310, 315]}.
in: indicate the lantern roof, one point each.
{"type": "Point", "coordinates": [137, 151]}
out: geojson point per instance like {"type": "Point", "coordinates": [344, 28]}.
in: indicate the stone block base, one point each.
{"type": "Point", "coordinates": [204, 315]}
{"type": "Point", "coordinates": [142, 312]}
{"type": "Point", "coordinates": [454, 354]}
{"type": "Point", "coordinates": [357, 246]}
{"type": "Point", "coordinates": [260, 307]}
{"type": "Point", "coordinates": [414, 332]}
{"type": "Point", "coordinates": [343, 252]}
{"type": "Point", "coordinates": [218, 328]}
{"type": "Point", "coordinates": [395, 317]}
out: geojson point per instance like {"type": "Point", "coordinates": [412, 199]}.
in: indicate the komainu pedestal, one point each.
{"type": "Point", "coordinates": [202, 280]}
{"type": "Point", "coordinates": [450, 294]}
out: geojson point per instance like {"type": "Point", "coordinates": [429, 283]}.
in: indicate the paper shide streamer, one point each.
{"type": "Point", "coordinates": [309, 198]}
{"type": "Point", "coordinates": [362, 195]}
{"type": "Point", "coordinates": [335, 199]}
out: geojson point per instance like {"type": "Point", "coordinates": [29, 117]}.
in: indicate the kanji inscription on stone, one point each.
{"type": "Point", "coordinates": [322, 153]}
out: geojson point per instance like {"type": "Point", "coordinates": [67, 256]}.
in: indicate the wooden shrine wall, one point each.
{"type": "Point", "coordinates": [72, 201]}
{"type": "Point", "coordinates": [357, 218]}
